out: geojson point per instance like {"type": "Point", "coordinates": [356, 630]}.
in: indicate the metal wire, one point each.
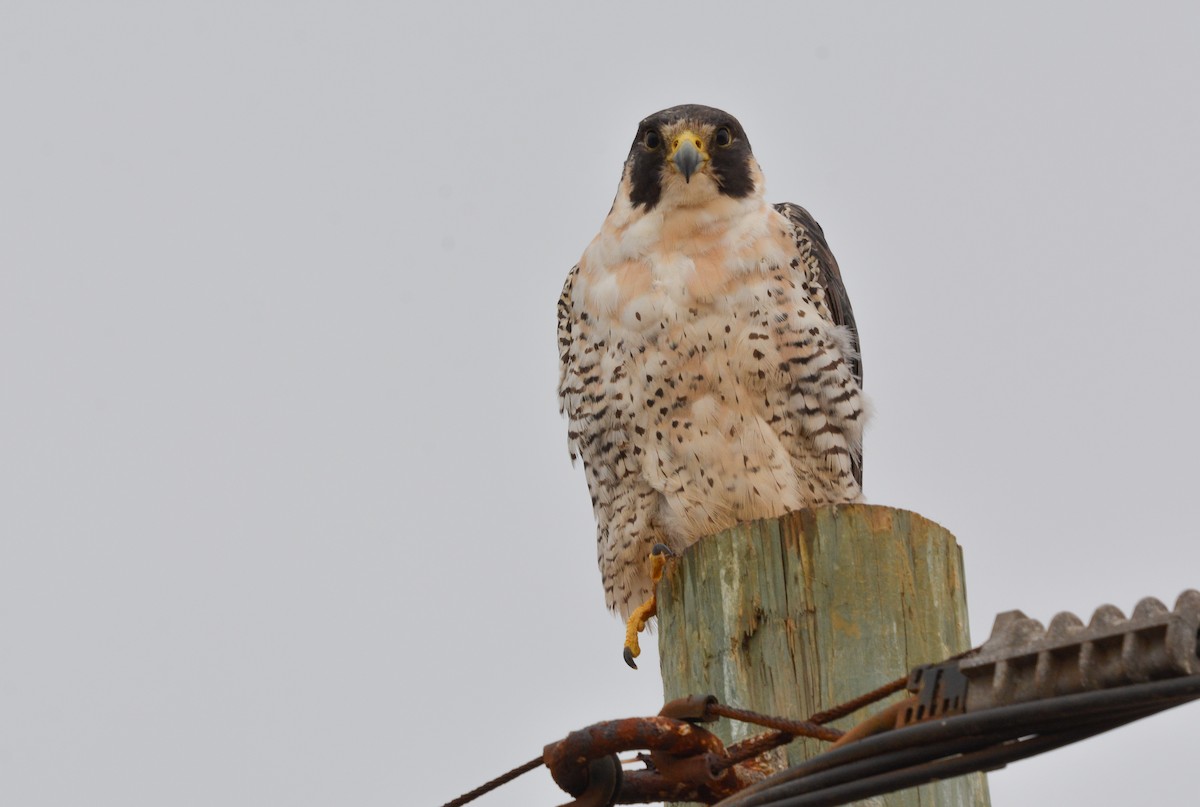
{"type": "Point", "coordinates": [787, 729]}
{"type": "Point", "coordinates": [798, 728]}
{"type": "Point", "coordinates": [851, 706]}
{"type": "Point", "coordinates": [503, 779]}
{"type": "Point", "coordinates": [750, 748]}
{"type": "Point", "coordinates": [958, 745]}
{"type": "Point", "coordinates": [688, 762]}
{"type": "Point", "coordinates": [883, 763]}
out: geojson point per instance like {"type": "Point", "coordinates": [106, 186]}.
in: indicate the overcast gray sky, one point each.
{"type": "Point", "coordinates": [286, 514]}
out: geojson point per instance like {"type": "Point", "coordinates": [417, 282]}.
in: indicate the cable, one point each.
{"type": "Point", "coordinates": [503, 779]}
{"type": "Point", "coordinates": [961, 744]}
{"type": "Point", "coordinates": [881, 763]}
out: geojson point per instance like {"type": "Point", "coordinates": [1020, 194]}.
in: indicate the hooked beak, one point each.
{"type": "Point", "coordinates": [688, 154]}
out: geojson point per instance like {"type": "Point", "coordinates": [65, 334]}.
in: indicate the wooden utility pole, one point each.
{"type": "Point", "coordinates": [793, 615]}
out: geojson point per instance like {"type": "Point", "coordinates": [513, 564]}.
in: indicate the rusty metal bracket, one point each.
{"type": "Point", "coordinates": [603, 783]}
{"type": "Point", "coordinates": [693, 708]}
{"type": "Point", "coordinates": [683, 762]}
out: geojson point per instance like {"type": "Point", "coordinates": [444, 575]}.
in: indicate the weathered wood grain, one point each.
{"type": "Point", "coordinates": [793, 615]}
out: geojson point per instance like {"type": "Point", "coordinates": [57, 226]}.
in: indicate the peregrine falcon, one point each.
{"type": "Point", "coordinates": [710, 369]}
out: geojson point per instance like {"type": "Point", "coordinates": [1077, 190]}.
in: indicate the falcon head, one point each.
{"type": "Point", "coordinates": [687, 156]}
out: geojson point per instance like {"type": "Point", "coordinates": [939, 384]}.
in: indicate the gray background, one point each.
{"type": "Point", "coordinates": [286, 515]}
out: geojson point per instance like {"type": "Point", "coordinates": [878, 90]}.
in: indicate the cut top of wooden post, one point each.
{"type": "Point", "coordinates": [794, 615]}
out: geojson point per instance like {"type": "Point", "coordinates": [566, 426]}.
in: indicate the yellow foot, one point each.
{"type": "Point", "coordinates": [641, 615]}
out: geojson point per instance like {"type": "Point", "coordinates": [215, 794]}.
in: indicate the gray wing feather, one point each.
{"type": "Point", "coordinates": [835, 290]}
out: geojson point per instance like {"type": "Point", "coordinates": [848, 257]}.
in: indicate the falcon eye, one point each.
{"type": "Point", "coordinates": [652, 140]}
{"type": "Point", "coordinates": [723, 137]}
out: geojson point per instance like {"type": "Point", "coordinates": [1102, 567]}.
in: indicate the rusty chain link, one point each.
{"type": "Point", "coordinates": [685, 762]}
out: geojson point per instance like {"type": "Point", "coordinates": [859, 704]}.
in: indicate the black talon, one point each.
{"type": "Point", "coordinates": [629, 657]}
{"type": "Point", "coordinates": [662, 549]}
